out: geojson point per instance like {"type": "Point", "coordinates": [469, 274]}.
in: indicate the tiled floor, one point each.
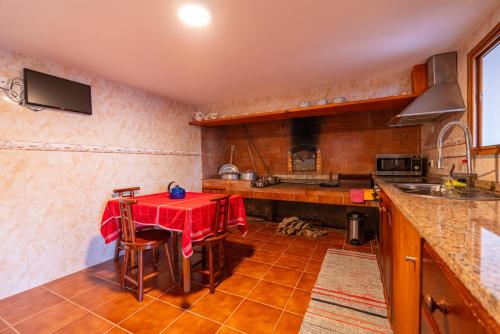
{"type": "Point", "coordinates": [268, 293]}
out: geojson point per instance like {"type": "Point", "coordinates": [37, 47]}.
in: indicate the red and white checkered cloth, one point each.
{"type": "Point", "coordinates": [192, 215]}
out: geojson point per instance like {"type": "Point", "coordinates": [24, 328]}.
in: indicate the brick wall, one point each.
{"type": "Point", "coordinates": [348, 143]}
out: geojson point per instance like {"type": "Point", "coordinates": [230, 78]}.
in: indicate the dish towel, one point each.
{"type": "Point", "coordinates": [357, 195]}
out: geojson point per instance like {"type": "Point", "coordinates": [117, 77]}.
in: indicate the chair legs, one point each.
{"type": "Point", "coordinates": [117, 248]}
{"type": "Point", "coordinates": [140, 268]}
{"type": "Point", "coordinates": [211, 268]}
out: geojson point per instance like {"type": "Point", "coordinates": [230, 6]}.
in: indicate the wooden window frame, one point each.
{"type": "Point", "coordinates": [474, 76]}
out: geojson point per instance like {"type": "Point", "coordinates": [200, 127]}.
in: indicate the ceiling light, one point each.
{"type": "Point", "coordinates": [194, 15]}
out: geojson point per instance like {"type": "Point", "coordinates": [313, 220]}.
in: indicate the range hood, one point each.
{"type": "Point", "coordinates": [442, 97]}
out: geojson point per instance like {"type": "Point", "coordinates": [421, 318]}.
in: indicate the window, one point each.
{"type": "Point", "coordinates": [484, 93]}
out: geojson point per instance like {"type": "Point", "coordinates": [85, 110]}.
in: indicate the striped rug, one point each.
{"type": "Point", "coordinates": [348, 296]}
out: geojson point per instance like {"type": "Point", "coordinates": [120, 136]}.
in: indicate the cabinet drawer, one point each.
{"type": "Point", "coordinates": [447, 306]}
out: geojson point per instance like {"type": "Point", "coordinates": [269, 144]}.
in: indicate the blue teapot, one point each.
{"type": "Point", "coordinates": [176, 192]}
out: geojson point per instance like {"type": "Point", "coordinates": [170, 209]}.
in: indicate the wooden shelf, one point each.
{"type": "Point", "coordinates": [382, 103]}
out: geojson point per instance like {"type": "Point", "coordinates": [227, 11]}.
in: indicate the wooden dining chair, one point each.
{"type": "Point", "coordinates": [139, 242]}
{"type": "Point", "coordinates": [125, 193]}
{"type": "Point", "coordinates": [213, 190]}
{"type": "Point", "coordinates": [216, 243]}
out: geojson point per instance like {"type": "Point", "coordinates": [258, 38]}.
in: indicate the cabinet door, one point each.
{"type": "Point", "coordinates": [406, 275]}
{"type": "Point", "coordinates": [385, 256]}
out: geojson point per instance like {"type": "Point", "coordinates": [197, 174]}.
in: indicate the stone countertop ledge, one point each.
{"type": "Point", "coordinates": [465, 234]}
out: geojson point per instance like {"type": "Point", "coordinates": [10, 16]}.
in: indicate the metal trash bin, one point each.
{"type": "Point", "coordinates": [355, 228]}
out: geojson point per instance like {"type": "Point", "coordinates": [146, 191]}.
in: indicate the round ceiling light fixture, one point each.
{"type": "Point", "coordinates": [194, 15]}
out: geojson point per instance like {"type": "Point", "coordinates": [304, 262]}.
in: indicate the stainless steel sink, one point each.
{"type": "Point", "coordinates": [435, 190]}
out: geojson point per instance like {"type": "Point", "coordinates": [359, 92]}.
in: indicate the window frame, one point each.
{"type": "Point", "coordinates": [474, 82]}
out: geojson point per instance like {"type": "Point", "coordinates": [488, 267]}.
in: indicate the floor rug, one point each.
{"type": "Point", "coordinates": [348, 296]}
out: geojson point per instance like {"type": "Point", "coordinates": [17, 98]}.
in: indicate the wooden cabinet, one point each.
{"type": "Point", "coordinates": [447, 306]}
{"type": "Point", "coordinates": [406, 244]}
{"type": "Point", "coordinates": [385, 249]}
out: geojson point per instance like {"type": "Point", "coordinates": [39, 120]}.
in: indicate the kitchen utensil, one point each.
{"type": "Point", "coordinates": [230, 176]}
{"type": "Point", "coordinates": [247, 139]}
{"type": "Point", "coordinates": [228, 168]}
{"type": "Point", "coordinates": [260, 183]}
{"type": "Point", "coordinates": [321, 102]}
{"type": "Point", "coordinates": [271, 179]}
{"type": "Point", "coordinates": [198, 116]}
{"type": "Point", "coordinates": [176, 192]}
{"type": "Point", "coordinates": [249, 175]}
{"type": "Point", "coordinates": [338, 99]}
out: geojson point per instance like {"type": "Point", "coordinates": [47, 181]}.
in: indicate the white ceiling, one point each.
{"type": "Point", "coordinates": [251, 47]}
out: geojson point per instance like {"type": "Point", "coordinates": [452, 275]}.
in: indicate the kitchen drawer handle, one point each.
{"type": "Point", "coordinates": [411, 259]}
{"type": "Point", "coordinates": [432, 305]}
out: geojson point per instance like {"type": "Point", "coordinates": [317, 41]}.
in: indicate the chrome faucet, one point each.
{"type": "Point", "coordinates": [468, 147]}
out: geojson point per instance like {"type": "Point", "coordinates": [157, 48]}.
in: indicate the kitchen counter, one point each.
{"type": "Point", "coordinates": [465, 234]}
{"type": "Point", "coordinates": [288, 192]}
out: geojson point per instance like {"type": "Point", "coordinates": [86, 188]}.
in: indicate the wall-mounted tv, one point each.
{"type": "Point", "coordinates": [46, 90]}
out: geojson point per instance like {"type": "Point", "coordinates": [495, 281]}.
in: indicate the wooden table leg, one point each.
{"type": "Point", "coordinates": [186, 274]}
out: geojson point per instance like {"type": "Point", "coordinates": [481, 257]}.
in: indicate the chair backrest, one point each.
{"type": "Point", "coordinates": [126, 219]}
{"type": "Point", "coordinates": [126, 192]}
{"type": "Point", "coordinates": [221, 214]}
{"type": "Point", "coordinates": [213, 190]}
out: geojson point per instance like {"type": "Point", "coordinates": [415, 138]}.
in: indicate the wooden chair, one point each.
{"type": "Point", "coordinates": [213, 190]}
{"type": "Point", "coordinates": [125, 193]}
{"type": "Point", "coordinates": [140, 241]}
{"type": "Point", "coordinates": [216, 243]}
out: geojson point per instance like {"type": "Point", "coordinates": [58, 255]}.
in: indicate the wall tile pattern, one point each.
{"type": "Point", "coordinates": [58, 169]}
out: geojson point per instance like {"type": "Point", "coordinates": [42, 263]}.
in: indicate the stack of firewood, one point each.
{"type": "Point", "coordinates": [295, 226]}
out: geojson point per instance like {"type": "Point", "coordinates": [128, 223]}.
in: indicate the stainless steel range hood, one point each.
{"type": "Point", "coordinates": [442, 97]}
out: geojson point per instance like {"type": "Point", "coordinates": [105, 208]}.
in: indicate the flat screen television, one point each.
{"type": "Point", "coordinates": [46, 90]}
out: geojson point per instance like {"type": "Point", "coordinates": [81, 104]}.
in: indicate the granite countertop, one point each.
{"type": "Point", "coordinates": [465, 234]}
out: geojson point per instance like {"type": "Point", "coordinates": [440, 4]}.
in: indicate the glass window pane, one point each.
{"type": "Point", "coordinates": [490, 123]}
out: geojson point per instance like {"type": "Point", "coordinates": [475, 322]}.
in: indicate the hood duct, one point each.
{"type": "Point", "coordinates": [442, 97]}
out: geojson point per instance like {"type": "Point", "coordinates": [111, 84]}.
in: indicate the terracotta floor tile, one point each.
{"type": "Point", "coordinates": [265, 256]}
{"type": "Point", "coordinates": [191, 323]}
{"type": "Point", "coordinates": [302, 251]}
{"type": "Point", "coordinates": [256, 244]}
{"type": "Point", "coordinates": [299, 301]}
{"type": "Point", "coordinates": [337, 244]}
{"type": "Point", "coordinates": [252, 317]}
{"type": "Point", "coordinates": [252, 268]}
{"type": "Point", "coordinates": [152, 319]}
{"type": "Point", "coordinates": [109, 270]}
{"type": "Point", "coordinates": [228, 330]}
{"type": "Point", "coordinates": [51, 319]}
{"type": "Point", "coordinates": [270, 229]}
{"type": "Point", "coordinates": [177, 297]}
{"type": "Point", "coordinates": [284, 276]}
{"type": "Point", "coordinates": [314, 266]}
{"type": "Point", "coordinates": [74, 284]}
{"type": "Point", "coordinates": [305, 242]}
{"type": "Point", "coordinates": [288, 324]}
{"type": "Point", "coordinates": [89, 323]}
{"type": "Point", "coordinates": [271, 293]}
{"type": "Point", "coordinates": [158, 285]}
{"type": "Point", "coordinates": [354, 248]}
{"type": "Point", "coordinates": [9, 301]}
{"type": "Point", "coordinates": [241, 251]}
{"type": "Point", "coordinates": [121, 307]}
{"type": "Point", "coordinates": [274, 247]}
{"type": "Point", "coordinates": [238, 284]}
{"type": "Point", "coordinates": [116, 330]}
{"type": "Point", "coordinates": [260, 236]}
{"type": "Point", "coordinates": [307, 281]}
{"type": "Point", "coordinates": [217, 306]}
{"type": "Point", "coordinates": [319, 254]}
{"type": "Point", "coordinates": [98, 295]}
{"type": "Point", "coordinates": [27, 307]}
{"type": "Point", "coordinates": [283, 239]}
{"type": "Point", "coordinates": [292, 261]}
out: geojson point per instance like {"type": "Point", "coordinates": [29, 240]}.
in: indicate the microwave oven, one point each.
{"type": "Point", "coordinates": [399, 164]}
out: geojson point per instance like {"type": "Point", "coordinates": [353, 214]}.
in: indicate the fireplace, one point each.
{"type": "Point", "coordinates": [304, 158]}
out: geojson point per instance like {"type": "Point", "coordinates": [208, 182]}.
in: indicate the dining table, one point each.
{"type": "Point", "coordinates": [192, 216]}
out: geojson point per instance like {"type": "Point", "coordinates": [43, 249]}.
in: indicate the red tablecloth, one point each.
{"type": "Point", "coordinates": [192, 215]}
